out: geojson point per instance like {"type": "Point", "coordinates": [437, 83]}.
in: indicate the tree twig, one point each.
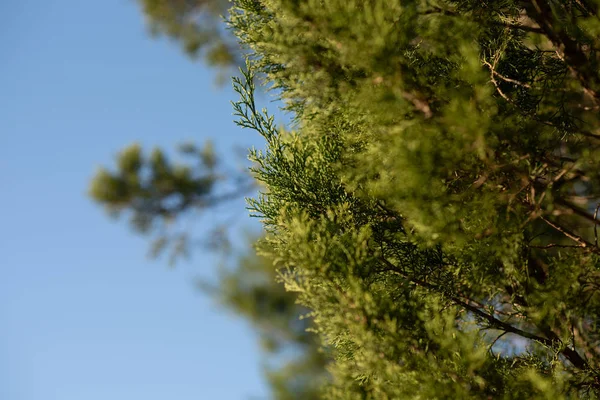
{"type": "Point", "coordinates": [582, 242]}
{"type": "Point", "coordinates": [494, 322]}
{"type": "Point", "coordinates": [568, 49]}
{"type": "Point", "coordinates": [596, 225]}
{"type": "Point", "coordinates": [495, 340]}
{"type": "Point", "coordinates": [551, 245]}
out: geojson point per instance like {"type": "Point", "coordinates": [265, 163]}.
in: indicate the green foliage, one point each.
{"type": "Point", "coordinates": [154, 192]}
{"type": "Point", "coordinates": [197, 24]}
{"type": "Point", "coordinates": [434, 205]}
{"type": "Point", "coordinates": [295, 362]}
{"type": "Point", "coordinates": [152, 187]}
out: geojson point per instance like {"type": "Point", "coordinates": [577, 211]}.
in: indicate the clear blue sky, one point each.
{"type": "Point", "coordinates": [83, 313]}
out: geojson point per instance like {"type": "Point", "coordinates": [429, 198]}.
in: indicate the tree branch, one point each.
{"type": "Point", "coordinates": [582, 242]}
{"type": "Point", "coordinates": [550, 341]}
{"type": "Point", "coordinates": [540, 11]}
{"type": "Point", "coordinates": [576, 210]}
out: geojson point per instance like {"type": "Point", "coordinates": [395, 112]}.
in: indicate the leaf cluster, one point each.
{"type": "Point", "coordinates": [434, 205]}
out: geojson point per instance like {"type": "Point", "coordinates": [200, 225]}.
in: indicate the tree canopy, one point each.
{"type": "Point", "coordinates": [434, 206]}
{"type": "Point", "coordinates": [434, 203]}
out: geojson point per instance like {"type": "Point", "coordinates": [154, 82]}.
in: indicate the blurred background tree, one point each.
{"type": "Point", "coordinates": [156, 192]}
{"type": "Point", "coordinates": [197, 25]}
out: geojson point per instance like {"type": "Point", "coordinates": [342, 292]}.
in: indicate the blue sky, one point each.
{"type": "Point", "coordinates": [83, 313]}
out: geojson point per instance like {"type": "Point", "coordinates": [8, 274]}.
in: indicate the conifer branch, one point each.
{"type": "Point", "coordinates": [577, 210]}
{"type": "Point", "coordinates": [491, 320]}
{"type": "Point", "coordinates": [577, 61]}
{"type": "Point", "coordinates": [526, 28]}
{"type": "Point", "coordinates": [551, 341]}
{"type": "Point", "coordinates": [551, 245]}
{"type": "Point", "coordinates": [588, 134]}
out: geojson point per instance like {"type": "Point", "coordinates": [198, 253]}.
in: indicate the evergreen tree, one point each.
{"type": "Point", "coordinates": [295, 362]}
{"type": "Point", "coordinates": [434, 204]}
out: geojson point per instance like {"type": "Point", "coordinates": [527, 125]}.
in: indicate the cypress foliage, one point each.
{"type": "Point", "coordinates": [295, 362]}
{"type": "Point", "coordinates": [434, 204]}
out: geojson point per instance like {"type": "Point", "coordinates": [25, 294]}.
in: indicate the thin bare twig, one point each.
{"type": "Point", "coordinates": [532, 29]}
{"type": "Point", "coordinates": [495, 340]}
{"type": "Point", "coordinates": [578, 239]}
{"type": "Point", "coordinates": [596, 225]}
{"type": "Point", "coordinates": [565, 232]}
{"type": "Point", "coordinates": [551, 245]}
{"type": "Point", "coordinates": [505, 78]}
{"type": "Point", "coordinates": [493, 80]}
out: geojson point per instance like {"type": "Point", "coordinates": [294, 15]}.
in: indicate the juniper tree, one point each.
{"type": "Point", "coordinates": [155, 192]}
{"type": "Point", "coordinates": [434, 203]}
{"type": "Point", "coordinates": [295, 362]}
